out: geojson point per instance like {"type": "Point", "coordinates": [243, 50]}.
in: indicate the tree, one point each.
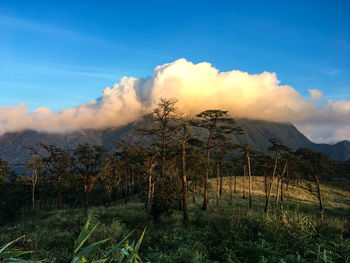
{"type": "Point", "coordinates": [4, 170]}
{"type": "Point", "coordinates": [195, 165]}
{"type": "Point", "coordinates": [315, 165]}
{"type": "Point", "coordinates": [150, 161]}
{"type": "Point", "coordinates": [246, 153]}
{"type": "Point", "coordinates": [278, 148]}
{"type": "Point", "coordinates": [36, 166]}
{"type": "Point", "coordinates": [185, 139]}
{"type": "Point", "coordinates": [57, 163]}
{"type": "Point", "coordinates": [264, 165]}
{"type": "Point", "coordinates": [215, 122]}
{"type": "Point", "coordinates": [222, 147]}
{"type": "Point", "coordinates": [165, 115]}
{"type": "Point", "coordinates": [88, 162]}
{"type": "Point", "coordinates": [164, 120]}
{"type": "Point", "coordinates": [110, 173]}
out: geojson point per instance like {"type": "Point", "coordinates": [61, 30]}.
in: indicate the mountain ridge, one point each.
{"type": "Point", "coordinates": [14, 145]}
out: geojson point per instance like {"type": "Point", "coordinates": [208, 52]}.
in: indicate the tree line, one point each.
{"type": "Point", "coordinates": [173, 161]}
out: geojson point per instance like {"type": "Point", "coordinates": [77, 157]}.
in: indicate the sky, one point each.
{"type": "Point", "coordinates": [57, 59]}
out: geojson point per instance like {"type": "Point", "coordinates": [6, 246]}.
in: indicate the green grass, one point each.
{"type": "Point", "coordinates": [224, 233]}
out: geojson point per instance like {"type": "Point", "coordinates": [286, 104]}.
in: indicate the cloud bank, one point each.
{"type": "Point", "coordinates": [198, 87]}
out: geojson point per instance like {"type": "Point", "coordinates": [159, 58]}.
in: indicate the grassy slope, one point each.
{"type": "Point", "coordinates": [224, 233]}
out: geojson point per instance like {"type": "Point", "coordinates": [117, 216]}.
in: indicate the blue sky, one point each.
{"type": "Point", "coordinates": [59, 54]}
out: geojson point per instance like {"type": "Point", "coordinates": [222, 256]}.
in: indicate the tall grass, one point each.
{"type": "Point", "coordinates": [224, 233]}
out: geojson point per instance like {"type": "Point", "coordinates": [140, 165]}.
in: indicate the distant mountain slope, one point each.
{"type": "Point", "coordinates": [14, 146]}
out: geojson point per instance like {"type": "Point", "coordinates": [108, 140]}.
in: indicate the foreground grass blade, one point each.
{"type": "Point", "coordinates": [10, 255]}
{"type": "Point", "coordinates": [83, 236]}
{"type": "Point", "coordinates": [9, 244]}
{"type": "Point", "coordinates": [140, 241]}
{"type": "Point", "coordinates": [87, 250]}
{"type": "Point", "coordinates": [118, 245]}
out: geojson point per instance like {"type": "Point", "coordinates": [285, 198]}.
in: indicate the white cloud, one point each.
{"type": "Point", "coordinates": [198, 87]}
{"type": "Point", "coordinates": [315, 94]}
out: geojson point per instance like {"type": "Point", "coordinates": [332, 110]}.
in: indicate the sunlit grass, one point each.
{"type": "Point", "coordinates": [222, 233]}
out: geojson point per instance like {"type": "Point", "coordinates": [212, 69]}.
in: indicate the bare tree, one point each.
{"type": "Point", "coordinates": [215, 122]}
{"type": "Point", "coordinates": [278, 149]}
{"type": "Point", "coordinates": [315, 166]}
{"type": "Point", "coordinates": [58, 164]}
{"type": "Point", "coordinates": [35, 167]}
{"type": "Point", "coordinates": [165, 115]}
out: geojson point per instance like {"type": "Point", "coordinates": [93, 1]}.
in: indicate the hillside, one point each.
{"type": "Point", "coordinates": [224, 233]}
{"type": "Point", "coordinates": [14, 146]}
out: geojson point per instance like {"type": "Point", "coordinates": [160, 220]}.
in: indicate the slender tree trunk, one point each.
{"type": "Point", "coordinates": [244, 175]}
{"type": "Point", "coordinates": [86, 198]}
{"type": "Point", "coordinates": [228, 174]}
{"type": "Point", "coordinates": [250, 181]}
{"type": "Point", "coordinates": [130, 184]}
{"type": "Point", "coordinates": [163, 150]}
{"type": "Point", "coordinates": [270, 187]}
{"type": "Point", "coordinates": [277, 192]}
{"type": "Point", "coordinates": [235, 183]}
{"type": "Point", "coordinates": [133, 183]}
{"type": "Point", "coordinates": [194, 192]}
{"type": "Point", "coordinates": [205, 201]}
{"type": "Point", "coordinates": [42, 196]}
{"type": "Point", "coordinates": [149, 196]}
{"type": "Point", "coordinates": [33, 196]}
{"type": "Point", "coordinates": [126, 187]}
{"type": "Point", "coordinates": [34, 181]}
{"type": "Point", "coordinates": [221, 174]}
{"type": "Point", "coordinates": [217, 177]}
{"type": "Point", "coordinates": [184, 180]}
{"type": "Point", "coordinates": [265, 184]}
{"type": "Point", "coordinates": [138, 183]}
{"type": "Point", "coordinates": [319, 196]}
{"type": "Point", "coordinates": [282, 180]}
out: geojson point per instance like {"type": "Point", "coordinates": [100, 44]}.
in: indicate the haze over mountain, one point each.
{"type": "Point", "coordinates": [14, 146]}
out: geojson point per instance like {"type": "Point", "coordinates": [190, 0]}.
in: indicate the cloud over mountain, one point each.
{"type": "Point", "coordinates": [198, 87]}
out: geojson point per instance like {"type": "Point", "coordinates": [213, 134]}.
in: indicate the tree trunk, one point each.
{"type": "Point", "coordinates": [221, 174]}
{"type": "Point", "coordinates": [184, 181]}
{"type": "Point", "coordinates": [33, 196]}
{"type": "Point", "coordinates": [235, 183]}
{"type": "Point", "coordinates": [244, 175]}
{"type": "Point", "coordinates": [230, 182]}
{"type": "Point", "coordinates": [270, 188]}
{"type": "Point", "coordinates": [277, 192]}
{"type": "Point", "coordinates": [205, 201]}
{"type": "Point", "coordinates": [194, 192]}
{"type": "Point", "coordinates": [217, 177]}
{"type": "Point", "coordinates": [149, 196]}
{"type": "Point", "coordinates": [86, 198]}
{"type": "Point", "coordinates": [250, 181]}
{"type": "Point", "coordinates": [163, 151]}
{"type": "Point", "coordinates": [133, 183]}
{"type": "Point", "coordinates": [282, 180]}
{"type": "Point", "coordinates": [319, 196]}
{"type": "Point", "coordinates": [265, 184]}
{"type": "Point", "coordinates": [34, 181]}
{"type": "Point", "coordinates": [126, 187]}
{"type": "Point", "coordinates": [138, 183]}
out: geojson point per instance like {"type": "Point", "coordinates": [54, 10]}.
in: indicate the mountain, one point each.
{"type": "Point", "coordinates": [14, 146]}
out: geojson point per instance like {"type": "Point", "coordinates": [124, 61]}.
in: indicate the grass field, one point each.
{"type": "Point", "coordinates": [224, 233]}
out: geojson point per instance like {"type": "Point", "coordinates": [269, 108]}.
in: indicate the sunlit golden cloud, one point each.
{"type": "Point", "coordinates": [197, 87]}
